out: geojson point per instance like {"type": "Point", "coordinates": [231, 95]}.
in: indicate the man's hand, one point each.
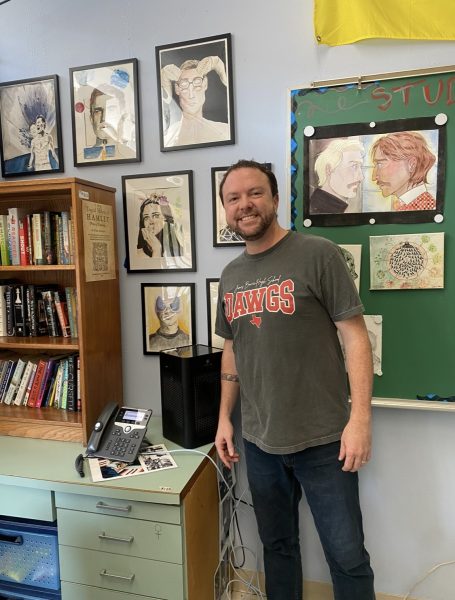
{"type": "Point", "coordinates": [355, 447]}
{"type": "Point", "coordinates": [224, 443]}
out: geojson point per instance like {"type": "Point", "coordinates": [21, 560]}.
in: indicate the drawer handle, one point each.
{"type": "Point", "coordinates": [104, 573]}
{"type": "Point", "coordinates": [103, 536]}
{"type": "Point", "coordinates": [117, 508]}
{"type": "Point", "coordinates": [18, 540]}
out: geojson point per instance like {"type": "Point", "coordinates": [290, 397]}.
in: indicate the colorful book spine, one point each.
{"type": "Point", "coordinates": [30, 385]}
{"type": "Point", "coordinates": [4, 254]}
{"type": "Point", "coordinates": [37, 239]}
{"type": "Point", "coordinates": [9, 300]}
{"type": "Point", "coordinates": [64, 391]}
{"type": "Point", "coordinates": [15, 381]}
{"type": "Point", "coordinates": [51, 313]}
{"type": "Point", "coordinates": [13, 220]}
{"type": "Point", "coordinates": [6, 379]}
{"type": "Point", "coordinates": [66, 238]}
{"type": "Point", "coordinates": [62, 314]}
{"type": "Point", "coordinates": [23, 243]}
{"type": "Point", "coordinates": [20, 310]}
{"type": "Point", "coordinates": [3, 327]}
{"type": "Point", "coordinates": [71, 304]}
{"type": "Point", "coordinates": [37, 380]}
{"type": "Point", "coordinates": [19, 399]}
{"type": "Point", "coordinates": [58, 384]}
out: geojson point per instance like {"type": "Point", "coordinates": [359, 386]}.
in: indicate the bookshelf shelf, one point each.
{"type": "Point", "coordinates": [97, 305]}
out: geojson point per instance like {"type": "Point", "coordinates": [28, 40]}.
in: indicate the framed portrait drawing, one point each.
{"type": "Point", "coordinates": [30, 127]}
{"type": "Point", "coordinates": [168, 316]}
{"type": "Point", "coordinates": [159, 221]}
{"type": "Point", "coordinates": [195, 93]}
{"type": "Point", "coordinates": [212, 286]}
{"type": "Point", "coordinates": [382, 172]}
{"type": "Point", "coordinates": [105, 113]}
{"type": "Point", "coordinates": [223, 235]}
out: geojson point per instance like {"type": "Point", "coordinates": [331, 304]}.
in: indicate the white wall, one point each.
{"type": "Point", "coordinates": [409, 487]}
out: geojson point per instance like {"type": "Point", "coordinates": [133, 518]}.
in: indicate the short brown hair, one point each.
{"type": "Point", "coordinates": [403, 145]}
{"type": "Point", "coordinates": [251, 164]}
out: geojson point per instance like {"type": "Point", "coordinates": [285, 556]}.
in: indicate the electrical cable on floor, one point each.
{"type": "Point", "coordinates": [427, 574]}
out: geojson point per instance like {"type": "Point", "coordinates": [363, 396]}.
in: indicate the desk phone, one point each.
{"type": "Point", "coordinates": [118, 433]}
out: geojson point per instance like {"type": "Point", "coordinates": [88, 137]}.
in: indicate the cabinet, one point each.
{"type": "Point", "coordinates": [153, 536]}
{"type": "Point", "coordinates": [98, 308]}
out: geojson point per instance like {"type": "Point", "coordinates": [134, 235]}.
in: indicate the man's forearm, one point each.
{"type": "Point", "coordinates": [229, 381]}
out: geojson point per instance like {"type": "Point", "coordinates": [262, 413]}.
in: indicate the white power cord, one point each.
{"type": "Point", "coordinates": [427, 574]}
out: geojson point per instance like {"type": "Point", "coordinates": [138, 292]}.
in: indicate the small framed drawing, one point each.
{"type": "Point", "coordinates": [212, 286]}
{"type": "Point", "coordinates": [159, 221]}
{"type": "Point", "coordinates": [223, 235]}
{"type": "Point", "coordinates": [195, 93]}
{"type": "Point", "coordinates": [105, 113]}
{"type": "Point", "coordinates": [30, 127]}
{"type": "Point", "coordinates": [168, 316]}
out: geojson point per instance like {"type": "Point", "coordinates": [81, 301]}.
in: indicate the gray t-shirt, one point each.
{"type": "Point", "coordinates": [279, 308]}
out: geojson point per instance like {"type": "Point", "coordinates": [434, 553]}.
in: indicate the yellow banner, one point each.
{"type": "Point", "coordinates": [338, 22]}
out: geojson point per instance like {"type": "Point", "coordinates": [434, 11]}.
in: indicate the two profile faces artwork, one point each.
{"type": "Point", "coordinates": [389, 172]}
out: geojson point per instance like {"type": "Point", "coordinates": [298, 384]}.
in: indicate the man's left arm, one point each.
{"type": "Point", "coordinates": [356, 438]}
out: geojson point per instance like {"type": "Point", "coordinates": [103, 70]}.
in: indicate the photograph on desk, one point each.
{"type": "Point", "coordinates": [153, 458]}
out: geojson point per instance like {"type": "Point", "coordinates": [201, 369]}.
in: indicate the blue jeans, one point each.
{"type": "Point", "coordinates": [276, 483]}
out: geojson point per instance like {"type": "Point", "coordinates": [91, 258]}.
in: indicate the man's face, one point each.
{"type": "Point", "coordinates": [168, 310]}
{"type": "Point", "coordinates": [192, 98]}
{"type": "Point", "coordinates": [152, 218]}
{"type": "Point", "coordinates": [40, 126]}
{"type": "Point", "coordinates": [248, 203]}
{"type": "Point", "coordinates": [347, 176]}
{"type": "Point", "coordinates": [392, 176]}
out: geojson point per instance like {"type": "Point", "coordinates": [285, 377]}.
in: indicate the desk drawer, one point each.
{"type": "Point", "coordinates": [164, 513]}
{"type": "Point", "coordinates": [132, 537]}
{"type": "Point", "coordinates": [74, 591]}
{"type": "Point", "coordinates": [26, 503]}
{"type": "Point", "coordinates": [121, 573]}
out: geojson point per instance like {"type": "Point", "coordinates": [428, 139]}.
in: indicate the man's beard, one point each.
{"type": "Point", "coordinates": [266, 221]}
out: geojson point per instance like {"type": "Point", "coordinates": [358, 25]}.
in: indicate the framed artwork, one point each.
{"type": "Point", "coordinates": [352, 255]}
{"type": "Point", "coordinates": [168, 316]}
{"type": "Point", "coordinates": [223, 235]}
{"type": "Point", "coordinates": [382, 172]}
{"type": "Point", "coordinates": [105, 113]}
{"type": "Point", "coordinates": [30, 127]}
{"type": "Point", "coordinates": [159, 222]}
{"type": "Point", "coordinates": [195, 93]}
{"type": "Point", "coordinates": [212, 286]}
{"type": "Point", "coordinates": [412, 261]}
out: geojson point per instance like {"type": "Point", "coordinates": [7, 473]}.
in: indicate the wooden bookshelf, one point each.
{"type": "Point", "coordinates": [98, 310]}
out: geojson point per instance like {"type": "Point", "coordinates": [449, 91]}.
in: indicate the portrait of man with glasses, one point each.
{"type": "Point", "coordinates": [195, 93]}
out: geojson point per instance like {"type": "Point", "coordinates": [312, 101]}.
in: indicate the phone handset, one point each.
{"type": "Point", "coordinates": [109, 411]}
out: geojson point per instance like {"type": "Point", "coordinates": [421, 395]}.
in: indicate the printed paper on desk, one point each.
{"type": "Point", "coordinates": [154, 458]}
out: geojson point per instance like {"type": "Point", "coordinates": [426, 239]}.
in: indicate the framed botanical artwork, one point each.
{"type": "Point", "coordinates": [212, 286]}
{"type": "Point", "coordinates": [195, 93]}
{"type": "Point", "coordinates": [223, 235]}
{"type": "Point", "coordinates": [105, 113]}
{"type": "Point", "coordinates": [159, 222]}
{"type": "Point", "coordinates": [168, 316]}
{"type": "Point", "coordinates": [30, 127]}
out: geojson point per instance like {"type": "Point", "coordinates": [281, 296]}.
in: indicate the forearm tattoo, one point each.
{"type": "Point", "coordinates": [230, 377]}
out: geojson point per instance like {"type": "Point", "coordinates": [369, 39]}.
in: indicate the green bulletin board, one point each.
{"type": "Point", "coordinates": [418, 334]}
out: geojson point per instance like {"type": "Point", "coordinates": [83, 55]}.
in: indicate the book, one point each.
{"type": "Point", "coordinates": [37, 239]}
{"type": "Point", "coordinates": [19, 399]}
{"type": "Point", "coordinates": [9, 301]}
{"type": "Point", "coordinates": [58, 384]}
{"type": "Point", "coordinates": [30, 383]}
{"type": "Point", "coordinates": [23, 242]}
{"type": "Point", "coordinates": [15, 381]}
{"type": "Point", "coordinates": [20, 311]}
{"type": "Point", "coordinates": [66, 238]}
{"type": "Point", "coordinates": [37, 380]}
{"type": "Point", "coordinates": [62, 314]}
{"type": "Point", "coordinates": [71, 403]}
{"type": "Point", "coordinates": [78, 383]}
{"type": "Point", "coordinates": [71, 305]}
{"type": "Point", "coordinates": [11, 364]}
{"type": "Point", "coordinates": [64, 389]}
{"type": "Point", "coordinates": [52, 322]}
{"type": "Point", "coordinates": [13, 223]}
{"type": "Point", "coordinates": [3, 325]}
{"type": "Point", "coordinates": [4, 254]}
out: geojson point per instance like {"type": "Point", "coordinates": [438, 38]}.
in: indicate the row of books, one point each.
{"type": "Point", "coordinates": [42, 238]}
{"type": "Point", "coordinates": [41, 381]}
{"type": "Point", "coordinates": [35, 310]}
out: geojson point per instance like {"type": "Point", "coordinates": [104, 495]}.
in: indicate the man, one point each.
{"type": "Point", "coordinates": [401, 162]}
{"type": "Point", "coordinates": [169, 334]}
{"type": "Point", "coordinates": [280, 305]}
{"type": "Point", "coordinates": [190, 86]}
{"type": "Point", "coordinates": [339, 171]}
{"type": "Point", "coordinates": [42, 143]}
